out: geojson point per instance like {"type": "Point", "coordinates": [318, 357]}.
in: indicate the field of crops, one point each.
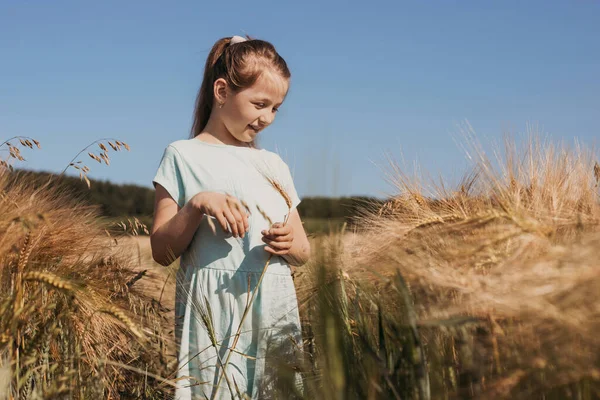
{"type": "Point", "coordinates": [487, 290]}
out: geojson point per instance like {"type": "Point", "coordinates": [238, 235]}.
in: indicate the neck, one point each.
{"type": "Point", "coordinates": [216, 132]}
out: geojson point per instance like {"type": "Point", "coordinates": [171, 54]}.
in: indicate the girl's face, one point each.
{"type": "Point", "coordinates": [251, 110]}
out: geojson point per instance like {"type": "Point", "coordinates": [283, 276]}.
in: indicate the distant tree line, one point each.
{"type": "Point", "coordinates": [117, 200]}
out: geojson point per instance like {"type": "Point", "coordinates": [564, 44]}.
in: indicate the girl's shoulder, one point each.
{"type": "Point", "coordinates": [179, 145]}
{"type": "Point", "coordinates": [187, 149]}
{"type": "Point", "coordinates": [174, 149]}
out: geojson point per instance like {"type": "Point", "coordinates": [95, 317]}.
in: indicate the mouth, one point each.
{"type": "Point", "coordinates": [254, 128]}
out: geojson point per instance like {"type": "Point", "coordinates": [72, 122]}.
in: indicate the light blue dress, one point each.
{"type": "Point", "coordinates": [218, 273]}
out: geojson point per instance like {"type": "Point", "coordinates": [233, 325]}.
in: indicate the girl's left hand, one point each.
{"type": "Point", "coordinates": [278, 238]}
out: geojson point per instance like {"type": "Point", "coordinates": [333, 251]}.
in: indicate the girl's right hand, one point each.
{"type": "Point", "coordinates": [225, 208]}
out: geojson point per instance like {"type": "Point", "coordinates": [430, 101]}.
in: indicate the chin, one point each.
{"type": "Point", "coordinates": [247, 138]}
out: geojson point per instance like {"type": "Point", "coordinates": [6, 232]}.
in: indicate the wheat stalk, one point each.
{"type": "Point", "coordinates": [23, 258]}
{"type": "Point", "coordinates": [15, 152]}
{"type": "Point", "coordinates": [18, 302]}
{"type": "Point", "coordinates": [120, 315]}
{"type": "Point", "coordinates": [102, 157]}
{"type": "Point", "coordinates": [49, 279]}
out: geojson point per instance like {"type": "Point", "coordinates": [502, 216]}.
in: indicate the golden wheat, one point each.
{"type": "Point", "coordinates": [121, 316]}
{"type": "Point", "coordinates": [45, 237]}
{"type": "Point", "coordinates": [520, 245]}
{"type": "Point", "coordinates": [49, 279]}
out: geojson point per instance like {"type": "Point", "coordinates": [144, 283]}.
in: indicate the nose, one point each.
{"type": "Point", "coordinates": [267, 118]}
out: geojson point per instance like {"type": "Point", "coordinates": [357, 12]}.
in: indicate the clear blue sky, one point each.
{"type": "Point", "coordinates": [368, 77]}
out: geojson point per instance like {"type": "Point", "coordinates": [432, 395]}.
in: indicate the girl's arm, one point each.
{"type": "Point", "coordinates": [172, 228]}
{"type": "Point", "coordinates": [300, 251]}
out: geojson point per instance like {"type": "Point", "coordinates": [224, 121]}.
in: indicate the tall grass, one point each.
{"type": "Point", "coordinates": [496, 282]}
{"type": "Point", "coordinates": [74, 322]}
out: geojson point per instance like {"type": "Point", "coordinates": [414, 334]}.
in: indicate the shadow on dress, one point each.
{"type": "Point", "coordinates": [238, 284]}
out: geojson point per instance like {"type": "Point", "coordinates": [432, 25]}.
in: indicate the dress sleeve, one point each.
{"type": "Point", "coordinates": [170, 175]}
{"type": "Point", "coordinates": [286, 178]}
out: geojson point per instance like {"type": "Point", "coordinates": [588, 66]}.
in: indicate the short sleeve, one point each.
{"type": "Point", "coordinates": [170, 174]}
{"type": "Point", "coordinates": [288, 181]}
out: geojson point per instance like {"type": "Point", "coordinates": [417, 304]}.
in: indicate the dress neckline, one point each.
{"type": "Point", "coordinates": [225, 146]}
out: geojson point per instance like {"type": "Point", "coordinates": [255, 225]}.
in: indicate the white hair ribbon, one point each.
{"type": "Point", "coordinates": [237, 39]}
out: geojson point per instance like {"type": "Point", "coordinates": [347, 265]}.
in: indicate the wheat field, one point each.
{"type": "Point", "coordinates": [490, 289]}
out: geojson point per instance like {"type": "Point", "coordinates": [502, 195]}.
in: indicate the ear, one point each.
{"type": "Point", "coordinates": [220, 90]}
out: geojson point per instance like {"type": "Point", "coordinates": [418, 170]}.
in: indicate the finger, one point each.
{"type": "Point", "coordinates": [246, 213]}
{"type": "Point", "coordinates": [236, 205]}
{"type": "Point", "coordinates": [231, 220]}
{"type": "Point", "coordinates": [276, 252]}
{"type": "Point", "coordinates": [239, 219]}
{"type": "Point", "coordinates": [284, 238]}
{"type": "Point", "coordinates": [278, 231]}
{"type": "Point", "coordinates": [239, 215]}
{"type": "Point", "coordinates": [245, 216]}
{"type": "Point", "coordinates": [278, 245]}
{"type": "Point", "coordinates": [243, 220]}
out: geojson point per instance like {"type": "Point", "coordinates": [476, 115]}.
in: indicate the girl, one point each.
{"type": "Point", "coordinates": [216, 196]}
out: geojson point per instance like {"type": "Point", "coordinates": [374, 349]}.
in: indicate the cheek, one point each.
{"type": "Point", "coordinates": [236, 116]}
{"type": "Point", "coordinates": [245, 113]}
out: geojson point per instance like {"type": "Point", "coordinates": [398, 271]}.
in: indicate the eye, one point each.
{"type": "Point", "coordinates": [263, 105]}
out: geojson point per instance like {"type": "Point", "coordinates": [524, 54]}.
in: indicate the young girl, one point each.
{"type": "Point", "coordinates": [229, 209]}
